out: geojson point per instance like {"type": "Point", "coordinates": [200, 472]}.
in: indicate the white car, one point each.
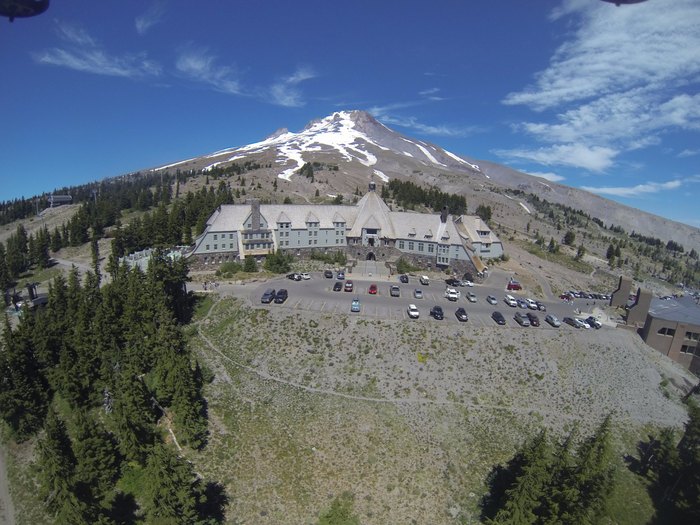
{"type": "Point", "coordinates": [471, 297]}
{"type": "Point", "coordinates": [531, 304]}
{"type": "Point", "coordinates": [424, 280]}
{"type": "Point", "coordinates": [305, 276]}
{"type": "Point", "coordinates": [510, 301]}
{"type": "Point", "coordinates": [418, 293]}
{"type": "Point", "coordinates": [491, 300]}
{"type": "Point", "coordinates": [583, 322]}
{"type": "Point", "coordinates": [452, 294]}
{"type": "Point", "coordinates": [467, 283]}
{"type": "Point", "coordinates": [413, 312]}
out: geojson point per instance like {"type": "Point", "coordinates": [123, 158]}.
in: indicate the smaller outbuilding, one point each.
{"type": "Point", "coordinates": [672, 327]}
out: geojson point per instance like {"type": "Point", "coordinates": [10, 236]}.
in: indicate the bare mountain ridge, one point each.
{"type": "Point", "coordinates": [363, 149]}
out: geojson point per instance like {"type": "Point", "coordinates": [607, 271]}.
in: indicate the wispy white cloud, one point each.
{"type": "Point", "coordinates": [286, 92]}
{"type": "Point", "coordinates": [199, 65]}
{"type": "Point", "coordinates": [688, 153]}
{"type": "Point", "coordinates": [152, 16]}
{"type": "Point", "coordinates": [635, 191]}
{"type": "Point", "coordinates": [593, 158]}
{"type": "Point", "coordinates": [553, 177]}
{"type": "Point", "coordinates": [85, 54]}
{"type": "Point", "coordinates": [429, 91]}
{"type": "Point", "coordinates": [387, 115]}
{"type": "Point", "coordinates": [620, 81]}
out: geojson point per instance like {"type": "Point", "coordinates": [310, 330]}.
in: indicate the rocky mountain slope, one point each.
{"type": "Point", "coordinates": [359, 148]}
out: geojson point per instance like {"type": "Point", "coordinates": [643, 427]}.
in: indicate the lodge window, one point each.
{"type": "Point", "coordinates": [692, 336]}
{"type": "Point", "coordinates": [667, 331]}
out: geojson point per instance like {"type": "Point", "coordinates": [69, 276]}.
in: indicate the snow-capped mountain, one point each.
{"type": "Point", "coordinates": [353, 135]}
{"type": "Point", "coordinates": [359, 148]}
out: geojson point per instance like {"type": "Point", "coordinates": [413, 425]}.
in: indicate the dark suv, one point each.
{"type": "Point", "coordinates": [281, 296]}
{"type": "Point", "coordinates": [268, 296]}
{"type": "Point", "coordinates": [436, 313]}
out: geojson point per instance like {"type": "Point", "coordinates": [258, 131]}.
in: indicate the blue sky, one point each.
{"type": "Point", "coordinates": [580, 91]}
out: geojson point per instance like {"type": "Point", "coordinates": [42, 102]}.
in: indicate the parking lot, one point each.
{"type": "Point", "coordinates": [316, 294]}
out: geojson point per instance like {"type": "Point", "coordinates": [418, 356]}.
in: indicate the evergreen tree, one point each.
{"type": "Point", "coordinates": [23, 397]}
{"type": "Point", "coordinates": [569, 238]}
{"type": "Point", "coordinates": [97, 459]}
{"type": "Point", "coordinates": [522, 498]}
{"type": "Point", "coordinates": [250, 265]}
{"type": "Point", "coordinates": [133, 419]}
{"type": "Point", "coordinates": [5, 280]}
{"type": "Point", "coordinates": [173, 490]}
{"type": "Point", "coordinates": [56, 463]}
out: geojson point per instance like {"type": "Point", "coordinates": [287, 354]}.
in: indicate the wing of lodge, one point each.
{"type": "Point", "coordinates": [366, 230]}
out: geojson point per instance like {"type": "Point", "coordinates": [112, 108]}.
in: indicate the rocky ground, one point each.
{"type": "Point", "coordinates": [408, 416]}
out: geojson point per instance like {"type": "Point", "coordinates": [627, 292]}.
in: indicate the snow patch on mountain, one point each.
{"type": "Point", "coordinates": [458, 159]}
{"type": "Point", "coordinates": [429, 155]}
{"type": "Point", "coordinates": [381, 175]}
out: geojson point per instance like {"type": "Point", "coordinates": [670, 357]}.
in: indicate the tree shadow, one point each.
{"type": "Point", "coordinates": [124, 509]}
{"type": "Point", "coordinates": [500, 479]}
{"type": "Point", "coordinates": [213, 505]}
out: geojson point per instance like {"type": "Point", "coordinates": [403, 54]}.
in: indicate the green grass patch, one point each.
{"type": "Point", "coordinates": [558, 258]}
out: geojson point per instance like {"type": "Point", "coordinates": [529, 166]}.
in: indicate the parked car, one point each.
{"type": "Point", "coordinates": [471, 297]}
{"type": "Point", "coordinates": [305, 276]}
{"type": "Point", "coordinates": [583, 322]}
{"type": "Point", "coordinates": [328, 274]}
{"type": "Point", "coordinates": [510, 301]}
{"type": "Point", "coordinates": [403, 278]}
{"type": "Point", "coordinates": [348, 286]}
{"type": "Point", "coordinates": [281, 296]}
{"type": "Point", "coordinates": [452, 294]}
{"type": "Point", "coordinates": [467, 283]}
{"type": "Point", "coordinates": [373, 289]}
{"type": "Point", "coordinates": [294, 276]}
{"type": "Point", "coordinates": [534, 320]}
{"type": "Point", "coordinates": [337, 286]}
{"type": "Point", "coordinates": [355, 305]}
{"type": "Point", "coordinates": [413, 312]}
{"type": "Point", "coordinates": [573, 322]}
{"type": "Point", "coordinates": [418, 293]}
{"type": "Point", "coordinates": [514, 285]}
{"type": "Point", "coordinates": [424, 280]}
{"type": "Point", "coordinates": [394, 291]}
{"type": "Point", "coordinates": [437, 313]}
{"type": "Point", "coordinates": [453, 282]}
{"type": "Point", "coordinates": [553, 320]}
{"type": "Point", "coordinates": [541, 306]}
{"type": "Point", "coordinates": [491, 299]}
{"type": "Point", "coordinates": [268, 296]}
{"type": "Point", "coordinates": [461, 314]}
{"type": "Point", "coordinates": [340, 276]}
{"type": "Point", "coordinates": [521, 319]}
{"type": "Point", "coordinates": [531, 304]}
{"type": "Point", "coordinates": [498, 317]}
{"type": "Point", "coordinates": [521, 303]}
{"type": "Point", "coordinates": [595, 323]}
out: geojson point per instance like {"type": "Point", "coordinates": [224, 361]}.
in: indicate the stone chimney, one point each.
{"type": "Point", "coordinates": [255, 214]}
{"type": "Point", "coordinates": [444, 213]}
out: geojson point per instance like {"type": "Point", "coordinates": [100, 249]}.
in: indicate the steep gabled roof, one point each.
{"type": "Point", "coordinates": [374, 208]}
{"type": "Point", "coordinates": [282, 217]}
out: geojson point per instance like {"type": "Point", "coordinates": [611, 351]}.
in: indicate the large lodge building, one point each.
{"type": "Point", "coordinates": [366, 230]}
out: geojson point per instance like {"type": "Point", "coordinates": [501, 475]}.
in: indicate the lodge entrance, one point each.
{"type": "Point", "coordinates": [371, 257]}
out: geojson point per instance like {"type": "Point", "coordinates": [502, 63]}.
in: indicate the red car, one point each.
{"type": "Point", "coordinates": [348, 286]}
{"type": "Point", "coordinates": [514, 285]}
{"type": "Point", "coordinates": [373, 289]}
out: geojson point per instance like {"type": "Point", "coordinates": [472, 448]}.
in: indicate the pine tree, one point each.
{"type": "Point", "coordinates": [173, 491]}
{"type": "Point", "coordinates": [56, 463]}
{"type": "Point", "coordinates": [23, 389]}
{"type": "Point", "coordinates": [591, 479]}
{"type": "Point", "coordinates": [4, 271]}
{"type": "Point", "coordinates": [97, 459]}
{"type": "Point", "coordinates": [522, 499]}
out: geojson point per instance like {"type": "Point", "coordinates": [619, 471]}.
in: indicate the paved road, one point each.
{"type": "Point", "coordinates": [316, 294]}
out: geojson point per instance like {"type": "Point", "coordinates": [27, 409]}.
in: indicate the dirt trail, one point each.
{"type": "Point", "coordinates": [7, 509]}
